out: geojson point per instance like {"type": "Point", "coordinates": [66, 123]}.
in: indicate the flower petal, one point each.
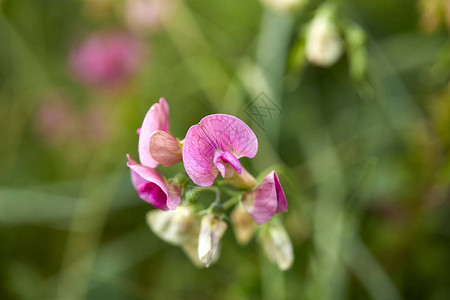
{"type": "Point", "coordinates": [157, 118]}
{"type": "Point", "coordinates": [281, 198]}
{"type": "Point", "coordinates": [164, 148]}
{"type": "Point", "coordinates": [152, 186]}
{"type": "Point", "coordinates": [216, 132]}
{"type": "Point", "coordinates": [266, 200]}
{"type": "Point", "coordinates": [226, 163]}
{"type": "Point", "coordinates": [198, 155]}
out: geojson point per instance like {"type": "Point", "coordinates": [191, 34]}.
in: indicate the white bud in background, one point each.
{"type": "Point", "coordinates": [212, 229]}
{"type": "Point", "coordinates": [277, 244]}
{"type": "Point", "coordinates": [174, 226]}
{"type": "Point", "coordinates": [324, 45]}
{"type": "Point", "coordinates": [284, 5]}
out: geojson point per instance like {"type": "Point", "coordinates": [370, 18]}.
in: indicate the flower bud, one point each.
{"type": "Point", "coordinates": [165, 148]}
{"type": "Point", "coordinates": [176, 226]}
{"type": "Point", "coordinates": [266, 199]}
{"type": "Point", "coordinates": [323, 43]}
{"type": "Point", "coordinates": [211, 231]}
{"type": "Point", "coordinates": [277, 244]}
{"type": "Point", "coordinates": [243, 225]}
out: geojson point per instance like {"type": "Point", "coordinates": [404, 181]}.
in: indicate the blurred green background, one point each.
{"type": "Point", "coordinates": [363, 156]}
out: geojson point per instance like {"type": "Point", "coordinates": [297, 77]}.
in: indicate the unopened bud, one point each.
{"type": "Point", "coordinates": [165, 148]}
{"type": "Point", "coordinates": [277, 244]}
{"type": "Point", "coordinates": [243, 225]}
{"type": "Point", "coordinates": [324, 45]}
{"type": "Point", "coordinates": [174, 226]}
{"type": "Point", "coordinates": [211, 231]}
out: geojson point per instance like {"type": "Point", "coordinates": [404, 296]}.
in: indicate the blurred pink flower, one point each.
{"type": "Point", "coordinates": [56, 119]}
{"type": "Point", "coordinates": [107, 59]}
{"type": "Point", "coordinates": [153, 188]}
{"type": "Point", "coordinates": [266, 200]}
{"type": "Point", "coordinates": [215, 145]}
{"type": "Point", "coordinates": [146, 15]}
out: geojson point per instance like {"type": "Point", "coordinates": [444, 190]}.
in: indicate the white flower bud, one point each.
{"type": "Point", "coordinates": [211, 231]}
{"type": "Point", "coordinates": [277, 244]}
{"type": "Point", "coordinates": [284, 5]}
{"type": "Point", "coordinates": [324, 45]}
{"type": "Point", "coordinates": [174, 226]}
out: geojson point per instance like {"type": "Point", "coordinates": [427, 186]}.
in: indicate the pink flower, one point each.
{"type": "Point", "coordinates": [107, 59]}
{"type": "Point", "coordinates": [266, 200]}
{"type": "Point", "coordinates": [152, 187]}
{"type": "Point", "coordinates": [215, 145]}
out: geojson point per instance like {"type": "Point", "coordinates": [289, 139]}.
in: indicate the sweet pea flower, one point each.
{"type": "Point", "coordinates": [212, 229]}
{"type": "Point", "coordinates": [266, 199]}
{"type": "Point", "coordinates": [156, 145]}
{"type": "Point", "coordinates": [215, 145]}
{"type": "Point", "coordinates": [153, 188]}
{"type": "Point", "coordinates": [107, 59]}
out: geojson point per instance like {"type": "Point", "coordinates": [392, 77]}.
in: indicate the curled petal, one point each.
{"type": "Point", "coordinates": [152, 186]}
{"type": "Point", "coordinates": [227, 163]}
{"type": "Point", "coordinates": [266, 200]}
{"type": "Point", "coordinates": [157, 118]}
{"type": "Point", "coordinates": [219, 132]}
{"type": "Point", "coordinates": [165, 148]}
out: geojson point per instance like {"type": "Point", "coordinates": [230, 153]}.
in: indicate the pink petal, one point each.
{"type": "Point", "coordinates": [152, 187]}
{"type": "Point", "coordinates": [157, 118]}
{"type": "Point", "coordinates": [266, 200]}
{"type": "Point", "coordinates": [226, 163]}
{"type": "Point", "coordinates": [281, 198]}
{"type": "Point", "coordinates": [165, 148]}
{"type": "Point", "coordinates": [216, 132]}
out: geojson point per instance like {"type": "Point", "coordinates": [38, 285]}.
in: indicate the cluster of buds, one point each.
{"type": "Point", "coordinates": [210, 148]}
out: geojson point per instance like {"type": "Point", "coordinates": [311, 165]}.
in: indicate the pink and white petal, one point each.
{"type": "Point", "coordinates": [198, 154]}
{"type": "Point", "coordinates": [262, 203]}
{"type": "Point", "coordinates": [157, 118]}
{"type": "Point", "coordinates": [229, 133]}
